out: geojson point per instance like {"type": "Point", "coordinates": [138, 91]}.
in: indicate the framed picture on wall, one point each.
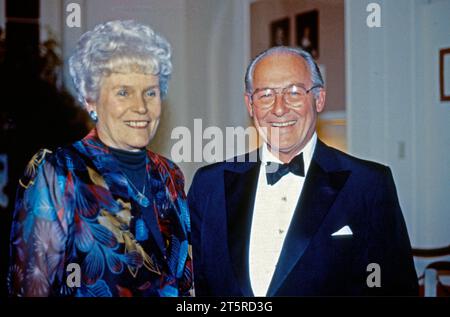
{"type": "Point", "coordinates": [307, 29]}
{"type": "Point", "coordinates": [444, 74]}
{"type": "Point", "coordinates": [280, 32]}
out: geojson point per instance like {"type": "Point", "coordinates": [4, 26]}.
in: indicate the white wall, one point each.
{"type": "Point", "coordinates": [431, 122]}
{"type": "Point", "coordinates": [393, 104]}
{"type": "Point", "coordinates": [217, 54]}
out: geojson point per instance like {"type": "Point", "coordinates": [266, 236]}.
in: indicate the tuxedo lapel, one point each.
{"type": "Point", "coordinates": [323, 182]}
{"type": "Point", "coordinates": [240, 191]}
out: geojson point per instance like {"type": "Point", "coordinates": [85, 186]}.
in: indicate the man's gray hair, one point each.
{"type": "Point", "coordinates": [118, 46]}
{"type": "Point", "coordinates": [316, 76]}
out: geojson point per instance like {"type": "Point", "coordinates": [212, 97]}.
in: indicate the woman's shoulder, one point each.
{"type": "Point", "coordinates": [65, 157]}
{"type": "Point", "coordinates": [46, 164]}
{"type": "Point", "coordinates": [44, 157]}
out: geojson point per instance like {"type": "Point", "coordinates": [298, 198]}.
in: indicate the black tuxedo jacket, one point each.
{"type": "Point", "coordinates": [339, 191]}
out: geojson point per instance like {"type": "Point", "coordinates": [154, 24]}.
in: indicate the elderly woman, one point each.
{"type": "Point", "coordinates": [104, 216]}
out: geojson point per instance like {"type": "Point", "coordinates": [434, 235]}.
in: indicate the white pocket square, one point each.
{"type": "Point", "coordinates": [344, 231]}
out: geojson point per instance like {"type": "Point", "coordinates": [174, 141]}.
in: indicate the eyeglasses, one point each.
{"type": "Point", "coordinates": [293, 95]}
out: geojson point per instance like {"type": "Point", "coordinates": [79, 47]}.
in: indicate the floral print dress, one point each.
{"type": "Point", "coordinates": [74, 214]}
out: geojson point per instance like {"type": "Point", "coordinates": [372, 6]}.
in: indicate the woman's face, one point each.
{"type": "Point", "coordinates": [128, 109]}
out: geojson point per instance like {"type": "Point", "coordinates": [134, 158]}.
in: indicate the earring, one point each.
{"type": "Point", "coordinates": [93, 115]}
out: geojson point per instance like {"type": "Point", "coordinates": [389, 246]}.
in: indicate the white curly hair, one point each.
{"type": "Point", "coordinates": [118, 46]}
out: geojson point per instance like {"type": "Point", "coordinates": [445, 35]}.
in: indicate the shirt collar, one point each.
{"type": "Point", "coordinates": [308, 151]}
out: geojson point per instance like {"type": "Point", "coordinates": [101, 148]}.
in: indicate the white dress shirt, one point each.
{"type": "Point", "coordinates": [272, 214]}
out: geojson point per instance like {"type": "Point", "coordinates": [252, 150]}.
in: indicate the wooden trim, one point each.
{"type": "Point", "coordinates": [22, 20]}
{"type": "Point", "coordinates": [428, 253]}
{"type": "Point", "coordinates": [442, 54]}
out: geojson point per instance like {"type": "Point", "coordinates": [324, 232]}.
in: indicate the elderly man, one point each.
{"type": "Point", "coordinates": [304, 218]}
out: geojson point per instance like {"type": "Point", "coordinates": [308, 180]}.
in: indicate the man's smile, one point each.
{"type": "Point", "coordinates": [283, 124]}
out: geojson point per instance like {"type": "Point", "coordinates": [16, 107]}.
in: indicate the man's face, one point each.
{"type": "Point", "coordinates": [128, 108]}
{"type": "Point", "coordinates": [286, 129]}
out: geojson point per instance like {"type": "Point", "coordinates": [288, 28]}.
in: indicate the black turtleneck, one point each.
{"type": "Point", "coordinates": [133, 165]}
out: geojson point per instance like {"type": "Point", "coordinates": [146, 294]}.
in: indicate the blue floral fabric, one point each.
{"type": "Point", "coordinates": [74, 230]}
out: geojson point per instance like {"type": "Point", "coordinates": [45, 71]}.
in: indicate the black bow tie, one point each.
{"type": "Point", "coordinates": [274, 171]}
